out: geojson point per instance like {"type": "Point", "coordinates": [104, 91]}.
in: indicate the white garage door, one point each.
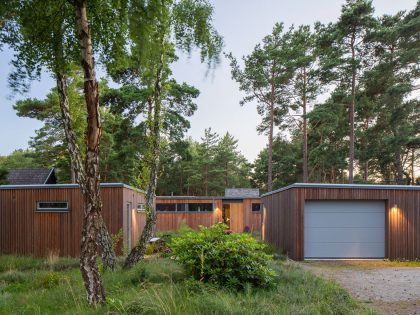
{"type": "Point", "coordinates": [344, 229]}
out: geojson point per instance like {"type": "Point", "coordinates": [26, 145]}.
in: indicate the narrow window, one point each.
{"type": "Point", "coordinates": [200, 207]}
{"type": "Point", "coordinates": [181, 207]}
{"type": "Point", "coordinates": [52, 206]}
{"type": "Point", "coordinates": [256, 207]}
{"type": "Point", "coordinates": [164, 207]}
{"type": "Point", "coordinates": [140, 207]}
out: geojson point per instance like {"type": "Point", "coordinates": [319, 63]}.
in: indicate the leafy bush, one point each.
{"type": "Point", "coordinates": [49, 280]}
{"type": "Point", "coordinates": [229, 260]}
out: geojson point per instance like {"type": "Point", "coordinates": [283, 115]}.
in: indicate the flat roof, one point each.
{"type": "Point", "coordinates": [206, 197]}
{"type": "Point", "coordinates": [348, 186]}
{"type": "Point", "coordinates": [50, 186]}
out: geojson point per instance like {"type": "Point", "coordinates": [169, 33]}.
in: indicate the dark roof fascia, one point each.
{"type": "Point", "coordinates": [346, 186]}
{"type": "Point", "coordinates": [189, 197]}
{"type": "Point", "coordinates": [50, 186]}
{"type": "Point", "coordinates": [206, 197]}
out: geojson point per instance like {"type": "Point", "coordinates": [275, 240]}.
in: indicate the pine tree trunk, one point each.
{"type": "Point", "coordinates": [95, 292]}
{"type": "Point", "coordinates": [351, 112]}
{"type": "Point", "coordinates": [137, 253]}
{"type": "Point", "coordinates": [270, 150]}
{"type": "Point", "coordinates": [270, 134]}
{"type": "Point", "coordinates": [413, 158]}
{"type": "Point", "coordinates": [305, 132]}
{"type": "Point", "coordinates": [366, 164]}
{"type": "Point", "coordinates": [399, 167]}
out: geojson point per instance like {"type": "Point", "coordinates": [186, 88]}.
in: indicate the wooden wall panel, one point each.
{"type": "Point", "coordinates": [252, 219]}
{"type": "Point", "coordinates": [168, 221]}
{"type": "Point", "coordinates": [284, 217]}
{"type": "Point", "coordinates": [138, 219]}
{"type": "Point", "coordinates": [24, 231]}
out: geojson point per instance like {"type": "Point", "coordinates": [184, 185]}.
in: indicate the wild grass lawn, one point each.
{"type": "Point", "coordinates": [159, 286]}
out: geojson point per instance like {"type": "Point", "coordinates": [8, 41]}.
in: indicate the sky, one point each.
{"type": "Point", "coordinates": [243, 24]}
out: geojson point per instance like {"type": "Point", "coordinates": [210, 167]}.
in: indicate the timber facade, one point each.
{"type": "Point", "coordinates": [37, 219]}
{"type": "Point", "coordinates": [285, 210]}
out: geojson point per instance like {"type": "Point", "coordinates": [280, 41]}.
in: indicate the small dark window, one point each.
{"type": "Point", "coordinates": [166, 207]}
{"type": "Point", "coordinates": [181, 207]}
{"type": "Point", "coordinates": [52, 206]}
{"type": "Point", "coordinates": [140, 207]}
{"type": "Point", "coordinates": [256, 207]}
{"type": "Point", "coordinates": [200, 207]}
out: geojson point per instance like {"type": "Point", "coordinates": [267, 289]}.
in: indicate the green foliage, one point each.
{"type": "Point", "coordinates": [23, 263]}
{"type": "Point", "coordinates": [264, 77]}
{"type": "Point", "coordinates": [48, 280]}
{"type": "Point", "coordinates": [229, 260]}
{"type": "Point", "coordinates": [19, 159]}
{"type": "Point", "coordinates": [287, 164]}
{"type": "Point", "coordinates": [203, 168]}
{"type": "Point", "coordinates": [165, 289]}
{"type": "Point", "coordinates": [117, 241]}
{"type": "Point", "coordinates": [3, 176]}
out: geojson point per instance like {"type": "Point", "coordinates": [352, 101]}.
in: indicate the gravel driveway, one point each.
{"type": "Point", "coordinates": [385, 287]}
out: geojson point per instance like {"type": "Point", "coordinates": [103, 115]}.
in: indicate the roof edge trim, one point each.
{"type": "Point", "coordinates": [347, 186]}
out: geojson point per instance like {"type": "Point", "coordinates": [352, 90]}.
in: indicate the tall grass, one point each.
{"type": "Point", "coordinates": [160, 286]}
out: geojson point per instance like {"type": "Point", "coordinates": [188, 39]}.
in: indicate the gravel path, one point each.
{"type": "Point", "coordinates": [389, 290]}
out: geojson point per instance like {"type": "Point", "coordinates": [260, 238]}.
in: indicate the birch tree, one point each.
{"type": "Point", "coordinates": [53, 46]}
{"type": "Point", "coordinates": [158, 28]}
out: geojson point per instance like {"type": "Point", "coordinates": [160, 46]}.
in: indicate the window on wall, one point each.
{"type": "Point", "coordinates": [184, 207]}
{"type": "Point", "coordinates": [166, 207]}
{"type": "Point", "coordinates": [140, 207]}
{"type": "Point", "coordinates": [200, 207]}
{"type": "Point", "coordinates": [256, 207]}
{"type": "Point", "coordinates": [52, 206]}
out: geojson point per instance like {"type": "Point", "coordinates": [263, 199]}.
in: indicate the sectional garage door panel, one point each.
{"type": "Point", "coordinates": [344, 229]}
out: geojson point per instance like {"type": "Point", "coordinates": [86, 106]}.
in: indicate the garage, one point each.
{"type": "Point", "coordinates": [344, 229]}
{"type": "Point", "coordinates": [343, 221]}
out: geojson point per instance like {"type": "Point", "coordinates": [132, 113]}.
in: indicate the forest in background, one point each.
{"type": "Point", "coordinates": [362, 60]}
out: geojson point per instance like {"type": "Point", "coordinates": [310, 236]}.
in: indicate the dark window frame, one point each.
{"type": "Point", "coordinates": [52, 209]}
{"type": "Point", "coordinates": [185, 207]}
{"type": "Point", "coordinates": [200, 203]}
{"type": "Point", "coordinates": [259, 208]}
{"type": "Point", "coordinates": [166, 204]}
{"type": "Point", "coordinates": [140, 207]}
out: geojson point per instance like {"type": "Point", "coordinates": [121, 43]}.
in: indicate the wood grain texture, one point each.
{"type": "Point", "coordinates": [168, 221]}
{"type": "Point", "coordinates": [24, 231]}
{"type": "Point", "coordinates": [284, 221]}
{"type": "Point", "coordinates": [240, 212]}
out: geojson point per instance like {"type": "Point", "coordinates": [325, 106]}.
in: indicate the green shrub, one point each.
{"type": "Point", "coordinates": [138, 273]}
{"type": "Point", "coordinates": [48, 280]}
{"type": "Point", "coordinates": [229, 260]}
{"type": "Point", "coordinates": [167, 236]}
{"type": "Point", "coordinates": [149, 249]}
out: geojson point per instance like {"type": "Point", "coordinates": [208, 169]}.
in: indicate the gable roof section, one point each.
{"type": "Point", "coordinates": [31, 176]}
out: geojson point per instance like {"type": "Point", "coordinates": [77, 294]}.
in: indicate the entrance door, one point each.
{"type": "Point", "coordinates": [237, 217]}
{"type": "Point", "coordinates": [226, 214]}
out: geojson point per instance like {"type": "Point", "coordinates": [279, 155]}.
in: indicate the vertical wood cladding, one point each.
{"type": "Point", "coordinates": [284, 222]}
{"type": "Point", "coordinates": [168, 221]}
{"type": "Point", "coordinates": [24, 231]}
{"type": "Point", "coordinates": [241, 214]}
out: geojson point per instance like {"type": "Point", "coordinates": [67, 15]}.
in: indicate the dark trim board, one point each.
{"type": "Point", "coordinates": [284, 215]}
